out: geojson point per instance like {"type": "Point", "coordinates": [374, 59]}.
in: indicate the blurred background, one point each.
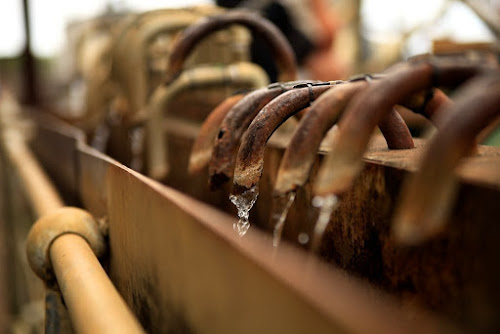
{"type": "Point", "coordinates": [362, 35]}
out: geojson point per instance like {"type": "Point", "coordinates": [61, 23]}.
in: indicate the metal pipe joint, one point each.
{"type": "Point", "coordinates": [65, 220]}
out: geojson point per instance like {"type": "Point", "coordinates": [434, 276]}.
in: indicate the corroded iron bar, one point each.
{"type": "Point", "coordinates": [281, 49]}
{"type": "Point", "coordinates": [204, 143]}
{"type": "Point", "coordinates": [368, 108]}
{"type": "Point", "coordinates": [250, 158]}
{"type": "Point", "coordinates": [428, 195]}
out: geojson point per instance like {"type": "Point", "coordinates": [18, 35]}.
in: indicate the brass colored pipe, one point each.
{"type": "Point", "coordinates": [281, 49]}
{"type": "Point", "coordinates": [246, 74]}
{"type": "Point", "coordinates": [61, 238]}
{"type": "Point", "coordinates": [93, 303]}
{"type": "Point", "coordinates": [368, 108]}
{"type": "Point", "coordinates": [250, 158]}
{"type": "Point", "coordinates": [204, 144]}
{"type": "Point", "coordinates": [39, 189]}
{"type": "Point", "coordinates": [428, 195]}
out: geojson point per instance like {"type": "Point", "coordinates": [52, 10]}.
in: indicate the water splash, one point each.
{"type": "Point", "coordinates": [280, 206]}
{"type": "Point", "coordinates": [244, 202]}
{"type": "Point", "coordinates": [326, 205]}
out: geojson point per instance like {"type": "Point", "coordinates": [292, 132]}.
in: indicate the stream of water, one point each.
{"type": "Point", "coordinates": [280, 207]}
{"type": "Point", "coordinates": [244, 202]}
{"type": "Point", "coordinates": [326, 205]}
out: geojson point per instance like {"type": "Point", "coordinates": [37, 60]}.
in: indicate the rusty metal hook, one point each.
{"type": "Point", "coordinates": [428, 195]}
{"type": "Point", "coordinates": [203, 146]}
{"type": "Point", "coordinates": [281, 49]}
{"type": "Point", "coordinates": [221, 165]}
{"type": "Point", "coordinates": [368, 108]}
{"type": "Point", "coordinates": [250, 158]}
{"type": "Point", "coordinates": [300, 154]}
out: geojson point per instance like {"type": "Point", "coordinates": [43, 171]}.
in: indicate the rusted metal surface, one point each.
{"type": "Point", "coordinates": [281, 49]}
{"type": "Point", "coordinates": [429, 195]}
{"type": "Point", "coordinates": [443, 276]}
{"type": "Point", "coordinates": [429, 103]}
{"type": "Point", "coordinates": [395, 131]}
{"type": "Point", "coordinates": [163, 263]}
{"type": "Point", "coordinates": [221, 164]}
{"type": "Point", "coordinates": [299, 157]}
{"type": "Point", "coordinates": [301, 153]}
{"type": "Point", "coordinates": [250, 158]}
{"type": "Point", "coordinates": [369, 107]}
{"type": "Point", "coordinates": [245, 74]}
{"type": "Point", "coordinates": [204, 144]}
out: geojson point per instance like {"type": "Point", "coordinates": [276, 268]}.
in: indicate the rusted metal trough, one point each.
{"type": "Point", "coordinates": [180, 266]}
{"type": "Point", "coordinates": [361, 252]}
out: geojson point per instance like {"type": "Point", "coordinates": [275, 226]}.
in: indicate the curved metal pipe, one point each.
{"type": "Point", "coordinates": [368, 108]}
{"type": "Point", "coordinates": [204, 144]}
{"type": "Point", "coordinates": [221, 165]}
{"type": "Point", "coordinates": [281, 49]}
{"type": "Point", "coordinates": [429, 103]}
{"type": "Point", "coordinates": [250, 158]}
{"type": "Point", "coordinates": [129, 51]}
{"type": "Point", "coordinates": [428, 194]}
{"type": "Point", "coordinates": [299, 157]}
{"type": "Point", "coordinates": [246, 74]}
{"type": "Point", "coordinates": [40, 191]}
{"type": "Point", "coordinates": [301, 152]}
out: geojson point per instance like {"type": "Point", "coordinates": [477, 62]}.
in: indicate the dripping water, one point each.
{"type": "Point", "coordinates": [326, 205]}
{"type": "Point", "coordinates": [280, 207]}
{"type": "Point", "coordinates": [244, 202]}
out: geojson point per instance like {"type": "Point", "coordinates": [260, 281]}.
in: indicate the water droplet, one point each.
{"type": "Point", "coordinates": [303, 238]}
{"type": "Point", "coordinates": [280, 206]}
{"type": "Point", "coordinates": [244, 202]}
{"type": "Point", "coordinates": [326, 205]}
